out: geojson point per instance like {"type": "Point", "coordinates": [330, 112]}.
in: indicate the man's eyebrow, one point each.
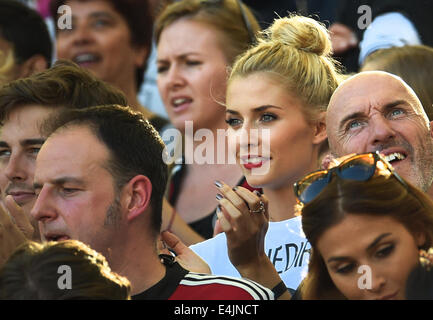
{"type": "Point", "coordinates": [60, 181]}
{"type": "Point", "coordinates": [393, 104]}
{"type": "Point", "coordinates": [355, 115]}
{"type": "Point", "coordinates": [25, 142]}
{"type": "Point", "coordinates": [4, 144]}
{"type": "Point", "coordinates": [31, 142]}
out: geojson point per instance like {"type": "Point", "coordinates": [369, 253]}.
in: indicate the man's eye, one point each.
{"type": "Point", "coordinates": [34, 151]}
{"type": "Point", "coordinates": [5, 153]}
{"type": "Point", "coordinates": [68, 191]}
{"type": "Point", "coordinates": [353, 125]}
{"type": "Point", "coordinates": [396, 112]}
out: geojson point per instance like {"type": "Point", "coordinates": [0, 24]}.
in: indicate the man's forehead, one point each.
{"type": "Point", "coordinates": [74, 142]}
{"type": "Point", "coordinates": [24, 123]}
{"type": "Point", "coordinates": [68, 150]}
{"type": "Point", "coordinates": [366, 89]}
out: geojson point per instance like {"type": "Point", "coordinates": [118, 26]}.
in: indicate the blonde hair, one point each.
{"type": "Point", "coordinates": [225, 16]}
{"type": "Point", "coordinates": [298, 51]}
{"type": "Point", "coordinates": [7, 62]}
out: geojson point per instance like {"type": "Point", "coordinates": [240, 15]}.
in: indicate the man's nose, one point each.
{"type": "Point", "coordinates": [381, 130]}
{"type": "Point", "coordinates": [16, 168]}
{"type": "Point", "coordinates": [43, 209]}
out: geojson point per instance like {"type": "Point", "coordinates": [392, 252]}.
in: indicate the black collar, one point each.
{"type": "Point", "coordinates": [165, 288]}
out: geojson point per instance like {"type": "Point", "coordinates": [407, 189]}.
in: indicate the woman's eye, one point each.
{"type": "Point", "coordinates": [193, 62]}
{"type": "Point", "coordinates": [101, 23]}
{"type": "Point", "coordinates": [233, 122]}
{"type": "Point", "coordinates": [344, 269]}
{"type": "Point", "coordinates": [161, 69]}
{"type": "Point", "coordinates": [385, 251]}
{"type": "Point", "coordinates": [267, 117]}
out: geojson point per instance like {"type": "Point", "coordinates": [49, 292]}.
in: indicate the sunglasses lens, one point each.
{"type": "Point", "coordinates": [359, 169]}
{"type": "Point", "coordinates": [311, 187]}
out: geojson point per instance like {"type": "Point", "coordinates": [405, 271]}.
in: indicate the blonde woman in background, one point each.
{"type": "Point", "coordinates": [6, 65]}
{"type": "Point", "coordinates": [196, 42]}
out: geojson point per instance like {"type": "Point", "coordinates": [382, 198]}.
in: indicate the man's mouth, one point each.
{"type": "Point", "coordinates": [395, 157]}
{"type": "Point", "coordinates": [22, 197]}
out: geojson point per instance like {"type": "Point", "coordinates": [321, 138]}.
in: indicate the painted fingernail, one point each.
{"type": "Point", "coordinates": [218, 184]}
{"type": "Point", "coordinates": [257, 193]}
{"type": "Point", "coordinates": [219, 196]}
{"type": "Point", "coordinates": [235, 188]}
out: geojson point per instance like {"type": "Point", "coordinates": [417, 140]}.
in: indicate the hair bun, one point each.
{"type": "Point", "coordinates": [303, 33]}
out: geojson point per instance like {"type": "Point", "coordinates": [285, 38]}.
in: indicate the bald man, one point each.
{"type": "Point", "coordinates": [377, 111]}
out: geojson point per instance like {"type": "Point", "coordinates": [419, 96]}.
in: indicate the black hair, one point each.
{"type": "Point", "coordinates": [26, 30]}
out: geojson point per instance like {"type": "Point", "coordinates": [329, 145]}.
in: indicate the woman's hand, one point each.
{"type": "Point", "coordinates": [243, 216]}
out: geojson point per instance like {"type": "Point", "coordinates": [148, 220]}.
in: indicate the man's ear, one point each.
{"type": "Point", "coordinates": [319, 128]}
{"type": "Point", "coordinates": [34, 64]}
{"type": "Point", "coordinates": [137, 196]}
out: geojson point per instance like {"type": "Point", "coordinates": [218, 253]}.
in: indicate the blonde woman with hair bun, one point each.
{"type": "Point", "coordinates": [281, 86]}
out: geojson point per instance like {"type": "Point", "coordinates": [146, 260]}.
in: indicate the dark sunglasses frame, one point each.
{"type": "Point", "coordinates": [339, 170]}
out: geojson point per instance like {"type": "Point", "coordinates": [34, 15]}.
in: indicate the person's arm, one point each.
{"type": "Point", "coordinates": [245, 230]}
{"type": "Point", "coordinates": [15, 228]}
{"type": "Point", "coordinates": [171, 221]}
{"type": "Point", "coordinates": [188, 259]}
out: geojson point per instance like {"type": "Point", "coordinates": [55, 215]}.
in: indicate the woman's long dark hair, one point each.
{"type": "Point", "coordinates": [379, 196]}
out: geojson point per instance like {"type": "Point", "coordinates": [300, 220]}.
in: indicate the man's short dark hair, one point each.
{"type": "Point", "coordinates": [65, 84]}
{"type": "Point", "coordinates": [138, 16]}
{"type": "Point", "coordinates": [135, 147]}
{"type": "Point", "coordinates": [26, 30]}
